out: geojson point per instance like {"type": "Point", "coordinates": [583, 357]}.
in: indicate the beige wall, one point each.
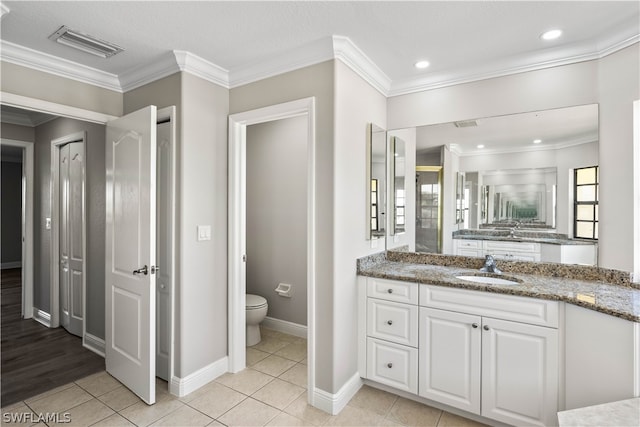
{"type": "Point", "coordinates": [612, 82]}
{"type": "Point", "coordinates": [201, 180]}
{"type": "Point", "coordinates": [316, 81]}
{"type": "Point", "coordinates": [48, 87]}
{"type": "Point", "coordinates": [357, 103]}
{"type": "Point", "coordinates": [17, 132]}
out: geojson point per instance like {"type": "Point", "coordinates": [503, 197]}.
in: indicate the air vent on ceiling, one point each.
{"type": "Point", "coordinates": [68, 37]}
{"type": "Point", "coordinates": [466, 124]}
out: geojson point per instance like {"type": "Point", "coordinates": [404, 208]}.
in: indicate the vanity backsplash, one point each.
{"type": "Point", "coordinates": [568, 271]}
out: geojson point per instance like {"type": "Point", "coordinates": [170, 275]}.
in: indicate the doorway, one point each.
{"type": "Point", "coordinates": [166, 287]}
{"type": "Point", "coordinates": [429, 209]}
{"type": "Point", "coordinates": [238, 227]}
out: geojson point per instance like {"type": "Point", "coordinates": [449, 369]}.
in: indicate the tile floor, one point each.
{"type": "Point", "coordinates": [271, 391]}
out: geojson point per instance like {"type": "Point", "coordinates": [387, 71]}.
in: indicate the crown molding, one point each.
{"type": "Point", "coordinates": [30, 120]}
{"type": "Point", "coordinates": [3, 10]}
{"type": "Point", "coordinates": [579, 52]}
{"type": "Point", "coordinates": [346, 51]}
{"type": "Point", "coordinates": [202, 68]}
{"type": "Point", "coordinates": [147, 73]}
{"type": "Point", "coordinates": [41, 61]}
{"type": "Point", "coordinates": [300, 57]}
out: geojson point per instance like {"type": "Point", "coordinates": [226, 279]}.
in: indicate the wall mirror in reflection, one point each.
{"type": "Point", "coordinates": [398, 175]}
{"type": "Point", "coordinates": [376, 181]}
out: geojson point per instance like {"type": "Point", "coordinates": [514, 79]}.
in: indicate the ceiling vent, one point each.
{"type": "Point", "coordinates": [466, 124]}
{"type": "Point", "coordinates": [85, 42]}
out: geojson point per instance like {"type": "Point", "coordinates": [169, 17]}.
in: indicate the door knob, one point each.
{"type": "Point", "coordinates": [389, 365]}
{"type": "Point", "coordinates": [389, 322]}
{"type": "Point", "coordinates": [144, 270]}
{"type": "Point", "coordinates": [474, 325]}
{"type": "Point", "coordinates": [485, 327]}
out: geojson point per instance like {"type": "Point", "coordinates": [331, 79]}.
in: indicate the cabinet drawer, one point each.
{"type": "Point", "coordinates": [475, 244]}
{"type": "Point", "coordinates": [498, 306]}
{"type": "Point", "coordinates": [470, 252]}
{"type": "Point", "coordinates": [501, 246]}
{"type": "Point", "coordinates": [392, 290]}
{"type": "Point", "coordinates": [392, 364]}
{"type": "Point", "coordinates": [392, 321]}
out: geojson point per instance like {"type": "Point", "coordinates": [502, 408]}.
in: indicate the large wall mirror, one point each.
{"type": "Point", "coordinates": [510, 177]}
{"type": "Point", "coordinates": [376, 179]}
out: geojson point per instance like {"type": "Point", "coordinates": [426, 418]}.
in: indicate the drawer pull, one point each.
{"type": "Point", "coordinates": [389, 322]}
{"type": "Point", "coordinates": [474, 325]}
{"type": "Point", "coordinates": [390, 290]}
{"type": "Point", "coordinates": [389, 365]}
{"type": "Point", "coordinates": [485, 327]}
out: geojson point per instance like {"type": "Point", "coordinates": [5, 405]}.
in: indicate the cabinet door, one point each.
{"type": "Point", "coordinates": [519, 373]}
{"type": "Point", "coordinates": [449, 359]}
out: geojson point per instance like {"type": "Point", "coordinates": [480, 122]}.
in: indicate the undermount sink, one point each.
{"type": "Point", "coordinates": [488, 280]}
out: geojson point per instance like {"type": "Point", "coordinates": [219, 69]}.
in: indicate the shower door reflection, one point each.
{"type": "Point", "coordinates": [429, 209]}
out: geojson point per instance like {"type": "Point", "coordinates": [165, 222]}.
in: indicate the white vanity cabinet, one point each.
{"type": "Point", "coordinates": [489, 354]}
{"type": "Point", "coordinates": [392, 333]}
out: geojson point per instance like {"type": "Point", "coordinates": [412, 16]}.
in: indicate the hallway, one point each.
{"type": "Point", "coordinates": [35, 358]}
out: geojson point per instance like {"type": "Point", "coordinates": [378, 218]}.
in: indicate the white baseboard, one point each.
{"type": "Point", "coordinates": [286, 327]}
{"type": "Point", "coordinates": [42, 317]}
{"type": "Point", "coordinates": [183, 386]}
{"type": "Point", "coordinates": [334, 403]}
{"type": "Point", "coordinates": [13, 264]}
{"type": "Point", "coordinates": [94, 344]}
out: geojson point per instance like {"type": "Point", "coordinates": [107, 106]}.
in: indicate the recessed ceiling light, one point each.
{"type": "Point", "coordinates": [480, 146]}
{"type": "Point", "coordinates": [537, 141]}
{"type": "Point", "coordinates": [422, 64]}
{"type": "Point", "coordinates": [551, 34]}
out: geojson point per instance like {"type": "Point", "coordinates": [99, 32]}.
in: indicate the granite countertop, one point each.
{"type": "Point", "coordinates": [614, 297]}
{"type": "Point", "coordinates": [520, 236]}
{"type": "Point", "coordinates": [618, 414]}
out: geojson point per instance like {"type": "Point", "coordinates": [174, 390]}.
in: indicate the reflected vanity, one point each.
{"type": "Point", "coordinates": [507, 186]}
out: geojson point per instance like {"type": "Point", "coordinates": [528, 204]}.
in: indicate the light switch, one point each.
{"type": "Point", "coordinates": [204, 232]}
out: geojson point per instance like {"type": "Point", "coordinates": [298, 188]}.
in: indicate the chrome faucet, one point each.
{"type": "Point", "coordinates": [490, 265]}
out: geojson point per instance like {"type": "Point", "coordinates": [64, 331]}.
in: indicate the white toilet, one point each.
{"type": "Point", "coordinates": [256, 308]}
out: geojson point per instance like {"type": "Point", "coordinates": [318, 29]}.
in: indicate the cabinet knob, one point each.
{"type": "Point", "coordinates": [389, 322]}
{"type": "Point", "coordinates": [474, 325]}
{"type": "Point", "coordinates": [390, 290]}
{"type": "Point", "coordinates": [485, 327]}
{"type": "Point", "coordinates": [389, 365]}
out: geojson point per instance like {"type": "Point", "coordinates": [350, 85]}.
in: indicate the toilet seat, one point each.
{"type": "Point", "coordinates": [253, 302]}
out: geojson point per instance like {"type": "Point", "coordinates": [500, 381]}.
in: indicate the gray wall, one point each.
{"type": "Point", "coordinates": [277, 215]}
{"type": "Point", "coordinates": [95, 214]}
{"type": "Point", "coordinates": [11, 232]}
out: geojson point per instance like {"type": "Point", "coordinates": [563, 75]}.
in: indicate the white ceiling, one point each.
{"type": "Point", "coordinates": [462, 40]}
{"type": "Point", "coordinates": [561, 127]}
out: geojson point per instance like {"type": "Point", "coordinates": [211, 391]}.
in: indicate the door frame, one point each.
{"type": "Point", "coordinates": [27, 222]}
{"type": "Point", "coordinates": [237, 187]}
{"type": "Point", "coordinates": [54, 297]}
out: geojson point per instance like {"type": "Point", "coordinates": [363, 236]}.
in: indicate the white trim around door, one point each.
{"type": "Point", "coordinates": [237, 227]}
{"type": "Point", "coordinates": [27, 223]}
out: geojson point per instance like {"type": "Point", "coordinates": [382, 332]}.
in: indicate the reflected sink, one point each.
{"type": "Point", "coordinates": [488, 280]}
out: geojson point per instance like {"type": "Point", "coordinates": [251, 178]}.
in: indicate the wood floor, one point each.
{"type": "Point", "coordinates": [34, 358]}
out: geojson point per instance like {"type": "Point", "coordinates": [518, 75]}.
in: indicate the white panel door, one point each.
{"type": "Point", "coordinates": [449, 361]}
{"type": "Point", "coordinates": [130, 284]}
{"type": "Point", "coordinates": [519, 373]}
{"type": "Point", "coordinates": [71, 189]}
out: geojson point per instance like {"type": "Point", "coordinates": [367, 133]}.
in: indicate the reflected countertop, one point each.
{"type": "Point", "coordinates": [607, 294]}
{"type": "Point", "coordinates": [620, 413]}
{"type": "Point", "coordinates": [519, 236]}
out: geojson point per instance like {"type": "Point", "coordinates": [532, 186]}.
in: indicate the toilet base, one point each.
{"type": "Point", "coordinates": [253, 335]}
